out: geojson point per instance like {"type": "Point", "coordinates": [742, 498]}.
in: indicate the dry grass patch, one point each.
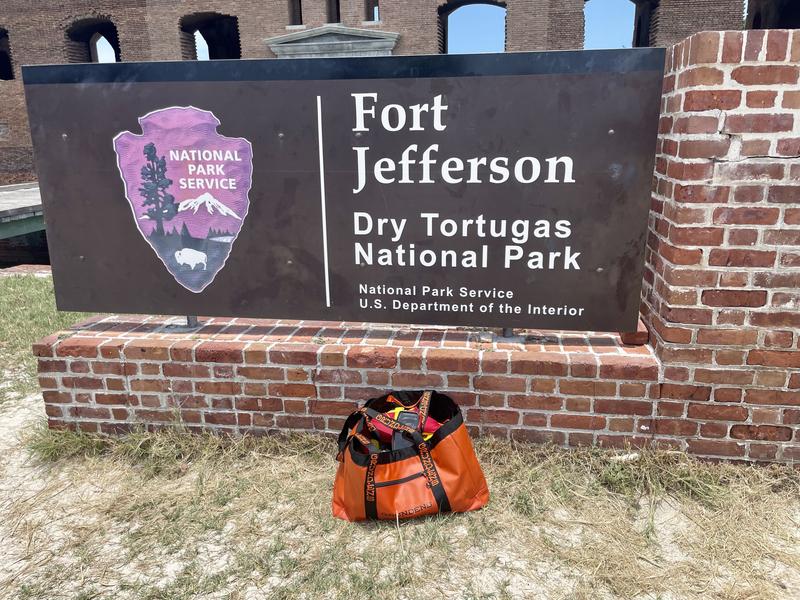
{"type": "Point", "coordinates": [170, 515]}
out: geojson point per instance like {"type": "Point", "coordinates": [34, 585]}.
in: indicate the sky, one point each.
{"type": "Point", "coordinates": [479, 27]}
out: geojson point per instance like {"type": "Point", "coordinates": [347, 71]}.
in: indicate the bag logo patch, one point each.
{"type": "Point", "coordinates": [188, 188]}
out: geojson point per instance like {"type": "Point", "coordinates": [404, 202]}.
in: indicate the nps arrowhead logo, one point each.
{"type": "Point", "coordinates": [188, 188]}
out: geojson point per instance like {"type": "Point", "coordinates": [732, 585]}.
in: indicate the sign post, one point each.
{"type": "Point", "coordinates": [493, 190]}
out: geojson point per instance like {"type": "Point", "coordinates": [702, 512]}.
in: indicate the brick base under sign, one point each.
{"type": "Point", "coordinates": [247, 376]}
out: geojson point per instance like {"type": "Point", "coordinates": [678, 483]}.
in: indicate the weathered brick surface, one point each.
{"type": "Point", "coordinates": [720, 293]}
{"type": "Point", "coordinates": [267, 377]}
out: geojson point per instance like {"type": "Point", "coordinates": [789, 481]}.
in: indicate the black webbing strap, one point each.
{"type": "Point", "coordinates": [423, 451]}
{"type": "Point", "coordinates": [370, 501]}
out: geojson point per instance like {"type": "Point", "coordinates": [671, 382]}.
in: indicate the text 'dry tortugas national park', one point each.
{"type": "Point", "coordinates": [580, 247]}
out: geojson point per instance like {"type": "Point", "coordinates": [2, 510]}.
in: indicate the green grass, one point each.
{"type": "Point", "coordinates": [29, 314]}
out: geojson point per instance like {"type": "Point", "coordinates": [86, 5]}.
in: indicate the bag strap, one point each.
{"type": "Point", "coordinates": [424, 409]}
{"type": "Point", "coordinates": [423, 451]}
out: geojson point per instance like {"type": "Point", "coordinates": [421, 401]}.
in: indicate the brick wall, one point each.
{"type": "Point", "coordinates": [723, 270]}
{"type": "Point", "coordinates": [241, 375]}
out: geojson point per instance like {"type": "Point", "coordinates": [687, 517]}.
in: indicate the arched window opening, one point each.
{"type": "Point", "coordinates": [610, 24]}
{"type": "Point", "coordinates": [210, 36]}
{"type": "Point", "coordinates": [373, 10]}
{"type": "Point", "coordinates": [6, 68]}
{"type": "Point", "coordinates": [295, 12]}
{"type": "Point", "coordinates": [334, 12]}
{"type": "Point", "coordinates": [472, 26]}
{"type": "Point", "coordinates": [93, 40]}
{"type": "Point", "coordinates": [101, 50]}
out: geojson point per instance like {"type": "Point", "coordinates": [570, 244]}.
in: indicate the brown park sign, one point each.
{"type": "Point", "coordinates": [493, 190]}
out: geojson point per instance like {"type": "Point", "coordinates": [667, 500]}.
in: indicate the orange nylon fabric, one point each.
{"type": "Point", "coordinates": [409, 492]}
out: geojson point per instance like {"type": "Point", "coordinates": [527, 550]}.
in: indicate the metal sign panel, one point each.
{"type": "Point", "coordinates": [492, 190]}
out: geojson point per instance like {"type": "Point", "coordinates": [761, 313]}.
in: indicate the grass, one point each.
{"type": "Point", "coordinates": [174, 516]}
{"type": "Point", "coordinates": [29, 314]}
{"type": "Point", "coordinates": [169, 515]}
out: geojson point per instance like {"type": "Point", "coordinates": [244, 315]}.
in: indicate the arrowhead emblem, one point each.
{"type": "Point", "coordinates": [188, 188]}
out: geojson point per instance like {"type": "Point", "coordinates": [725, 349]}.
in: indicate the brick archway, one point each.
{"type": "Point", "coordinates": [221, 33]}
{"type": "Point", "coordinates": [81, 34]}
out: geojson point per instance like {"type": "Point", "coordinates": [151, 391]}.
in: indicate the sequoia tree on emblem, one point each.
{"type": "Point", "coordinates": [188, 187]}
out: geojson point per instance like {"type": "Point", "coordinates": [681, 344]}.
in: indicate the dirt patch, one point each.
{"type": "Point", "coordinates": [177, 516]}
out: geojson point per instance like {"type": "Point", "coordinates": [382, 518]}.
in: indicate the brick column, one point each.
{"type": "Point", "coordinates": [723, 269]}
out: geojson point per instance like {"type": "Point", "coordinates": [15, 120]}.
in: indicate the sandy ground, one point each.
{"type": "Point", "coordinates": [100, 529]}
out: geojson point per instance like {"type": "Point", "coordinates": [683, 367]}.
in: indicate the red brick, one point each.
{"type": "Point", "coordinates": [784, 194]}
{"type": "Point", "coordinates": [569, 421]}
{"type": "Point", "coordinates": [84, 383]}
{"type": "Point", "coordinates": [499, 383]}
{"type": "Point", "coordinates": [732, 47]}
{"type": "Point", "coordinates": [89, 412]}
{"type": "Point", "coordinates": [774, 358]}
{"type": "Point", "coordinates": [623, 407]}
{"type": "Point", "coordinates": [741, 258]}
{"type": "Point", "coordinates": [754, 44]}
{"type": "Point", "coordinates": [372, 358]}
{"type": "Point", "coordinates": [704, 148]}
{"type": "Point", "coordinates": [758, 123]}
{"type": "Point", "coordinates": [715, 448]}
{"type": "Point", "coordinates": [293, 390]}
{"type": "Point", "coordinates": [704, 47]}
{"type": "Point", "coordinates": [587, 388]}
{"type": "Point", "coordinates": [224, 388]}
{"type": "Point", "coordinates": [417, 380]}
{"type": "Point", "coordinates": [701, 76]}
{"type": "Point", "coordinates": [325, 407]}
{"type": "Point", "coordinates": [696, 236]}
{"type": "Point", "coordinates": [746, 216]}
{"type": "Point", "coordinates": [685, 392]}
{"type": "Point", "coordinates": [220, 418]}
{"type": "Point", "coordinates": [185, 370]}
{"type": "Point", "coordinates": [718, 412]}
{"type": "Point", "coordinates": [727, 337]}
{"type": "Point", "coordinates": [57, 397]}
{"type": "Point", "coordinates": [695, 124]}
{"type": "Point", "coordinates": [744, 298]}
{"type": "Point", "coordinates": [777, 45]}
{"type": "Point", "coordinates": [219, 352]}
{"type": "Point", "coordinates": [147, 349]}
{"type": "Point", "coordinates": [756, 396]}
{"type": "Point", "coordinates": [677, 427]}
{"type": "Point", "coordinates": [51, 366]}
{"type": "Point", "coordinates": [459, 361]}
{"type": "Point", "coordinates": [776, 319]}
{"type": "Point", "coordinates": [697, 100]}
{"type": "Point", "coordinates": [78, 347]}
{"type": "Point", "coordinates": [791, 99]}
{"type": "Point", "coordinates": [337, 376]}
{"type": "Point", "coordinates": [761, 99]}
{"type": "Point", "coordinates": [539, 363]}
{"type": "Point", "coordinates": [789, 147]}
{"type": "Point", "coordinates": [766, 75]}
{"type": "Point", "coordinates": [627, 367]}
{"type": "Point", "coordinates": [294, 354]}
{"type": "Point", "coordinates": [761, 432]}
{"type": "Point", "coordinates": [478, 415]}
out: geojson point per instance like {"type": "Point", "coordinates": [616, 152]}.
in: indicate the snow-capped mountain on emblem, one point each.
{"type": "Point", "coordinates": [188, 188]}
{"type": "Point", "coordinates": [211, 204]}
